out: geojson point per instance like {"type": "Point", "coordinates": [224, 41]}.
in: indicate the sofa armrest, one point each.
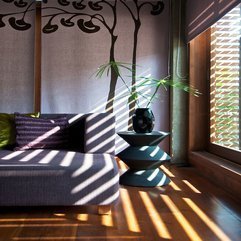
{"type": "Point", "coordinates": [99, 136]}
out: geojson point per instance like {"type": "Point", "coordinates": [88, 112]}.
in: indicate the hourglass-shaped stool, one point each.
{"type": "Point", "coordinates": [143, 157]}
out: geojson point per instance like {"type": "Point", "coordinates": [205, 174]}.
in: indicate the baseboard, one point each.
{"type": "Point", "coordinates": [223, 173]}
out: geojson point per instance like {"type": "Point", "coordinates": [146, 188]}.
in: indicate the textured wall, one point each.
{"type": "Point", "coordinates": [71, 56]}
{"type": "Point", "coordinates": [16, 62]}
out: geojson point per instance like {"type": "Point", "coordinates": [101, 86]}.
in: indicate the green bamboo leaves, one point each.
{"type": "Point", "coordinates": [143, 81]}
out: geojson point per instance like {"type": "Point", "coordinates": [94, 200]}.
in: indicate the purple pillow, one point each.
{"type": "Point", "coordinates": [36, 133]}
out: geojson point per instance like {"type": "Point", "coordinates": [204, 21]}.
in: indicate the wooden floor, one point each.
{"type": "Point", "coordinates": [189, 208]}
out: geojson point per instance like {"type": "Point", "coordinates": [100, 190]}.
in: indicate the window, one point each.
{"type": "Point", "coordinates": [225, 83]}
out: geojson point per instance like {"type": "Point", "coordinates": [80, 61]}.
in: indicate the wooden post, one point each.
{"type": "Point", "coordinates": [37, 59]}
{"type": "Point", "coordinates": [199, 78]}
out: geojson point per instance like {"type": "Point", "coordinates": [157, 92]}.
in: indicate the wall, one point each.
{"type": "Point", "coordinates": [16, 62]}
{"type": "Point", "coordinates": [71, 56]}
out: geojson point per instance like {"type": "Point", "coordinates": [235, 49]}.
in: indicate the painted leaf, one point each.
{"type": "Point", "coordinates": [19, 24]}
{"type": "Point", "coordinates": [2, 24]}
{"type": "Point", "coordinates": [88, 26]}
{"type": "Point", "coordinates": [95, 6]}
{"type": "Point", "coordinates": [63, 2]}
{"type": "Point", "coordinates": [158, 8]}
{"type": "Point", "coordinates": [50, 28]}
{"type": "Point", "coordinates": [20, 3]}
{"type": "Point", "coordinates": [78, 5]}
{"type": "Point", "coordinates": [66, 22]}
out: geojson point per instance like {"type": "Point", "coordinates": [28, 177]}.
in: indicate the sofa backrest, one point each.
{"type": "Point", "coordinates": [90, 133]}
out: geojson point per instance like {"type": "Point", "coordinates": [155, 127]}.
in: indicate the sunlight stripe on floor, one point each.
{"type": "Point", "coordinates": [168, 172]}
{"type": "Point", "coordinates": [94, 237]}
{"type": "Point", "coordinates": [191, 186]}
{"type": "Point", "coordinates": [122, 166]}
{"type": "Point", "coordinates": [155, 216]}
{"type": "Point", "coordinates": [83, 217]}
{"type": "Point", "coordinates": [31, 219]}
{"type": "Point", "coordinates": [129, 212]}
{"type": "Point", "coordinates": [216, 230]}
{"type": "Point", "coordinates": [174, 186]}
{"type": "Point", "coordinates": [187, 227]}
{"type": "Point", "coordinates": [26, 225]}
{"type": "Point", "coordinates": [107, 220]}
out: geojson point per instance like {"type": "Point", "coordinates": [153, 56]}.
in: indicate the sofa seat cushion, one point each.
{"type": "Point", "coordinates": [57, 177]}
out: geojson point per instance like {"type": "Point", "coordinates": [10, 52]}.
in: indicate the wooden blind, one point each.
{"type": "Point", "coordinates": [225, 80]}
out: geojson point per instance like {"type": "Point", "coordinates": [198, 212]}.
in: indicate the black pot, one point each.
{"type": "Point", "coordinates": [143, 120]}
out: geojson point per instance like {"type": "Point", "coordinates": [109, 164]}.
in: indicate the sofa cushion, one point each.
{"type": "Point", "coordinates": [34, 133]}
{"type": "Point", "coordinates": [99, 134]}
{"type": "Point", "coordinates": [54, 177]}
{"type": "Point", "coordinates": [7, 129]}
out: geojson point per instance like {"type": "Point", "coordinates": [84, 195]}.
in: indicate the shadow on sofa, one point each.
{"type": "Point", "coordinates": [85, 173]}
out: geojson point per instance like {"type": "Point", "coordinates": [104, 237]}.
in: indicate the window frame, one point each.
{"type": "Point", "coordinates": [199, 108]}
{"type": "Point", "coordinates": [222, 151]}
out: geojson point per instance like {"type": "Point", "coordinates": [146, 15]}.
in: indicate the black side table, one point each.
{"type": "Point", "coordinates": [143, 157]}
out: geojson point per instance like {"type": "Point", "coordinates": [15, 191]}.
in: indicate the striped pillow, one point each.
{"type": "Point", "coordinates": [36, 133]}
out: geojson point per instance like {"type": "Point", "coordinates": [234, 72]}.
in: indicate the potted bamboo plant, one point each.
{"type": "Point", "coordinates": [143, 118]}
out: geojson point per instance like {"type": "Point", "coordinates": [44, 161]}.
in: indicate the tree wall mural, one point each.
{"type": "Point", "coordinates": [135, 13]}
{"type": "Point", "coordinates": [17, 19]}
{"type": "Point", "coordinates": [87, 25]}
{"type": "Point", "coordinates": [88, 22]}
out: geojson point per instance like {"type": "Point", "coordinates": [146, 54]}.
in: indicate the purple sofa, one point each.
{"type": "Point", "coordinates": [84, 174]}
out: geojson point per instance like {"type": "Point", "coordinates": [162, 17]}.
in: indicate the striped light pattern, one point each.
{"type": "Point", "coordinates": [34, 133]}
{"type": "Point", "coordinates": [225, 80]}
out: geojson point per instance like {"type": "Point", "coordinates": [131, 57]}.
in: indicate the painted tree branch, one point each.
{"type": "Point", "coordinates": [87, 24]}
{"type": "Point", "coordinates": [19, 24]}
{"type": "Point", "coordinates": [156, 9]}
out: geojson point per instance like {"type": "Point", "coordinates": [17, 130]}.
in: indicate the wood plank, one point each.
{"type": "Point", "coordinates": [199, 78]}
{"type": "Point", "coordinates": [196, 210]}
{"type": "Point", "coordinates": [227, 174]}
